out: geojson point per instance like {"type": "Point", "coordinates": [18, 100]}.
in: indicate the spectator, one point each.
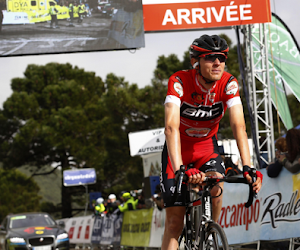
{"type": "Point", "coordinates": [129, 203]}
{"type": "Point", "coordinates": [71, 13]}
{"type": "Point", "coordinates": [231, 168]}
{"type": "Point", "coordinates": [157, 198]}
{"type": "Point", "coordinates": [291, 159]}
{"type": "Point", "coordinates": [112, 204]}
{"type": "Point", "coordinates": [275, 167]}
{"type": "Point", "coordinates": [81, 12]}
{"type": "Point", "coordinates": [141, 200]}
{"type": "Point", "coordinates": [53, 10]}
{"type": "Point", "coordinates": [99, 208]}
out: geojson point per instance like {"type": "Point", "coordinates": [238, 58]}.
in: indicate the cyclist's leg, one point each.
{"type": "Point", "coordinates": [173, 227]}
{"type": "Point", "coordinates": [174, 214]}
{"type": "Point", "coordinates": [216, 202]}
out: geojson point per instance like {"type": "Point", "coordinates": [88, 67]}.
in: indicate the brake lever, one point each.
{"type": "Point", "coordinates": [253, 176]}
{"type": "Point", "coordinates": [252, 195]}
{"type": "Point", "coordinates": [180, 179]}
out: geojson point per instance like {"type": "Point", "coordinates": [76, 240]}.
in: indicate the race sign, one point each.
{"type": "Point", "coordinates": [79, 177]}
{"type": "Point", "coordinates": [169, 15]}
{"type": "Point", "coordinates": [146, 142]}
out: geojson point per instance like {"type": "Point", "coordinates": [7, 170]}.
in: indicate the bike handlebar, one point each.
{"type": "Point", "coordinates": [212, 180]}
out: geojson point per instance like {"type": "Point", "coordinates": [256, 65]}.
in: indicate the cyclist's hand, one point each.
{"type": "Point", "coordinates": [248, 173]}
{"type": "Point", "coordinates": [195, 176]}
{"type": "Point", "coordinates": [258, 183]}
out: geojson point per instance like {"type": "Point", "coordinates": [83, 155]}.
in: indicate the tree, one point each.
{"type": "Point", "coordinates": [18, 193]}
{"type": "Point", "coordinates": [56, 118]}
{"type": "Point", "coordinates": [63, 115]}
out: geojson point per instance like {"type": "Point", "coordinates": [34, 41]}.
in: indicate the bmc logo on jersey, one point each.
{"type": "Point", "coordinates": [201, 113]}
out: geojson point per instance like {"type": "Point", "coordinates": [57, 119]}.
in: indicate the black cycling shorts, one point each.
{"type": "Point", "coordinates": [203, 155]}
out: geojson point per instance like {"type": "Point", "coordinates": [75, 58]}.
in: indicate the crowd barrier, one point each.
{"type": "Point", "coordinates": [274, 215]}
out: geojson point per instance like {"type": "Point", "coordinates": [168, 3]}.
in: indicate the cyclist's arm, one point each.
{"type": "Point", "coordinates": [237, 123]}
{"type": "Point", "coordinates": [172, 123]}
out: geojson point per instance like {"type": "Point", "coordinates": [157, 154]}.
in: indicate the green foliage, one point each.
{"type": "Point", "coordinates": [166, 66]}
{"type": "Point", "coordinates": [50, 185]}
{"type": "Point", "coordinates": [14, 197]}
{"type": "Point", "coordinates": [63, 115]}
{"type": "Point", "coordinates": [58, 119]}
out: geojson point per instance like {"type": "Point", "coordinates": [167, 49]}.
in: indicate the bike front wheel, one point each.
{"type": "Point", "coordinates": [214, 238]}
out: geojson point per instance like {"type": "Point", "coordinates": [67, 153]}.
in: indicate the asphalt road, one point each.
{"type": "Point", "coordinates": [39, 38]}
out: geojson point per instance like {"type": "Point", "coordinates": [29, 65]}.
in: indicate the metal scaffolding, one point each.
{"type": "Point", "coordinates": [257, 77]}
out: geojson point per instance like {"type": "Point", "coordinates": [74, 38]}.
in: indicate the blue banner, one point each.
{"type": "Point", "coordinates": [79, 177]}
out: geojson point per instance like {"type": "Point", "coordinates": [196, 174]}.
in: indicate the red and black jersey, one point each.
{"type": "Point", "coordinates": [200, 109]}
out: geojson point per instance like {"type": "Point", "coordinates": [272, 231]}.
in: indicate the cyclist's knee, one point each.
{"type": "Point", "coordinates": [174, 220]}
{"type": "Point", "coordinates": [174, 227]}
{"type": "Point", "coordinates": [217, 201]}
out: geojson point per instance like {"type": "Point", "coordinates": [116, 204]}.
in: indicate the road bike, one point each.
{"type": "Point", "coordinates": [200, 232]}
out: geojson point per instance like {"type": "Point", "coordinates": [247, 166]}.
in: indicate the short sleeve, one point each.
{"type": "Point", "coordinates": [175, 86]}
{"type": "Point", "coordinates": [231, 92]}
{"type": "Point", "coordinates": [175, 90]}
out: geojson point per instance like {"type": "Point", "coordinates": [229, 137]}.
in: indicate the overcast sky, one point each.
{"type": "Point", "coordinates": [137, 67]}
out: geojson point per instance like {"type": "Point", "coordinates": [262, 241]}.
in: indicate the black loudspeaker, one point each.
{"type": "Point", "coordinates": [150, 184]}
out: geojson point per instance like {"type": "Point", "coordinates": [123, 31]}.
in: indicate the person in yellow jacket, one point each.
{"type": "Point", "coordinates": [53, 10]}
{"type": "Point", "coordinates": [129, 203]}
{"type": "Point", "coordinates": [71, 13]}
{"type": "Point", "coordinates": [99, 208]}
{"type": "Point", "coordinates": [81, 12]}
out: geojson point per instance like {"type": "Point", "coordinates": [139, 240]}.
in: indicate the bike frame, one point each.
{"type": "Point", "coordinates": [195, 235]}
{"type": "Point", "coordinates": [203, 204]}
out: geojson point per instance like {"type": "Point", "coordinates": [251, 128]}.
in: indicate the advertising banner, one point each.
{"type": "Point", "coordinates": [274, 215]}
{"type": "Point", "coordinates": [111, 229]}
{"type": "Point", "coordinates": [80, 229]}
{"type": "Point", "coordinates": [286, 54]}
{"type": "Point", "coordinates": [136, 228]}
{"type": "Point", "coordinates": [97, 229]}
{"type": "Point", "coordinates": [145, 142]}
{"type": "Point", "coordinates": [118, 221]}
{"type": "Point", "coordinates": [170, 15]}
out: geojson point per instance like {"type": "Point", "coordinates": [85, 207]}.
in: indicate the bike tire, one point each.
{"type": "Point", "coordinates": [219, 239]}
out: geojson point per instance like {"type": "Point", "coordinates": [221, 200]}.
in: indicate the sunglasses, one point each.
{"type": "Point", "coordinates": [212, 58]}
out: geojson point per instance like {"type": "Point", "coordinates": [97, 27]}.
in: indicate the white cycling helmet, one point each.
{"type": "Point", "coordinates": [112, 196]}
{"type": "Point", "coordinates": [100, 200]}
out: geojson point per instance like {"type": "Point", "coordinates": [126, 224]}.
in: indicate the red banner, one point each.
{"type": "Point", "coordinates": [168, 15]}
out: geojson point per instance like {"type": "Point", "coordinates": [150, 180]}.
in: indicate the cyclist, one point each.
{"type": "Point", "coordinates": [195, 103]}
